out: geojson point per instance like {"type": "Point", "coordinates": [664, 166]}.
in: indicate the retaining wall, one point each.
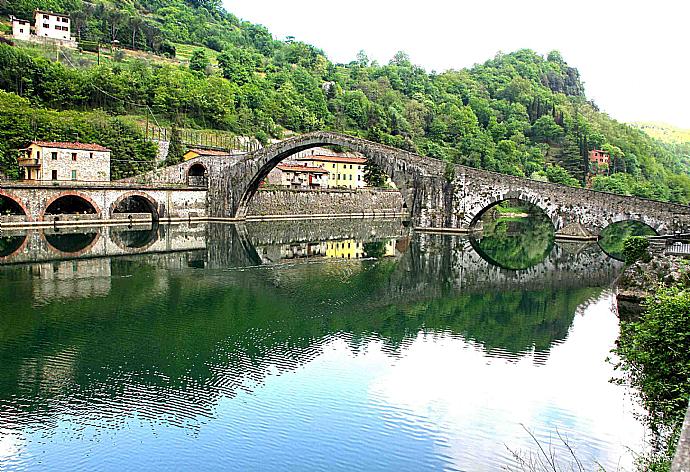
{"type": "Point", "coordinates": [328, 203]}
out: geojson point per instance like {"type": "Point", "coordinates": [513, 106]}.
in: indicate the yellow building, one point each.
{"type": "Point", "coordinates": [351, 249]}
{"type": "Point", "coordinates": [192, 153]}
{"type": "Point", "coordinates": [343, 172]}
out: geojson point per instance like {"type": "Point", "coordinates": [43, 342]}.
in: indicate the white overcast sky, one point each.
{"type": "Point", "coordinates": [632, 55]}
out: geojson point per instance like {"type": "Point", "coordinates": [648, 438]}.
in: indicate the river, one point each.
{"type": "Point", "coordinates": [322, 345]}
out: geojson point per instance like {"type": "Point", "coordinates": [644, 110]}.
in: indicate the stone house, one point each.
{"type": "Point", "coordinates": [54, 161]}
{"type": "Point", "coordinates": [298, 176]}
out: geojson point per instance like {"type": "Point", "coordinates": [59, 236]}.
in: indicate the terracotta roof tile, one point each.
{"type": "Point", "coordinates": [77, 146]}
{"type": "Point", "coordinates": [297, 168]}
{"type": "Point", "coordinates": [336, 159]}
{"type": "Point", "coordinates": [209, 152]}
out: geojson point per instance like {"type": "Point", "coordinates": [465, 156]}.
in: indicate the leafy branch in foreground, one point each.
{"type": "Point", "coordinates": [549, 458]}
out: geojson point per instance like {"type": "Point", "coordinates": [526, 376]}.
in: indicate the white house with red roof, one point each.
{"type": "Point", "coordinates": [56, 161]}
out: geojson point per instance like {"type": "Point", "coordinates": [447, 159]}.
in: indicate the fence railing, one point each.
{"type": "Point", "coordinates": [204, 139]}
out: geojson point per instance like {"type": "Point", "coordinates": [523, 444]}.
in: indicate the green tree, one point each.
{"type": "Point", "coordinates": [199, 61]}
{"type": "Point", "coordinates": [559, 175]}
{"type": "Point", "coordinates": [175, 149]}
{"type": "Point", "coordinates": [373, 175]}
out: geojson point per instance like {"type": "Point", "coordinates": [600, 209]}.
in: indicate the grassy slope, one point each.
{"type": "Point", "coordinates": [664, 132]}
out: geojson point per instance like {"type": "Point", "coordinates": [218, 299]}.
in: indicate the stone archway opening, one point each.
{"type": "Point", "coordinates": [133, 205]}
{"type": "Point", "coordinates": [70, 242]}
{"type": "Point", "coordinates": [71, 205]}
{"type": "Point", "coordinates": [612, 237]}
{"type": "Point", "coordinates": [10, 244]}
{"type": "Point", "coordinates": [197, 176]}
{"type": "Point", "coordinates": [340, 174]}
{"type": "Point", "coordinates": [513, 234]}
{"type": "Point", "coordinates": [9, 206]}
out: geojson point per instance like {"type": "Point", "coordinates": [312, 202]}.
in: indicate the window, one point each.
{"type": "Point", "coordinates": [334, 166]}
{"type": "Point", "coordinates": [53, 155]}
{"type": "Point", "coordinates": [46, 25]}
{"type": "Point", "coordinates": [21, 30]}
{"type": "Point", "coordinates": [45, 17]}
{"type": "Point", "coordinates": [38, 154]}
{"type": "Point", "coordinates": [65, 20]}
{"type": "Point", "coordinates": [91, 155]}
{"type": "Point", "coordinates": [74, 175]}
{"type": "Point", "coordinates": [74, 156]}
{"type": "Point", "coordinates": [350, 166]}
{"type": "Point", "coordinates": [54, 175]}
{"type": "Point", "coordinates": [350, 176]}
{"type": "Point", "coordinates": [359, 177]}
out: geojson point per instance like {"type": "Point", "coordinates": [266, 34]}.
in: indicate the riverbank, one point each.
{"type": "Point", "coordinates": [653, 307]}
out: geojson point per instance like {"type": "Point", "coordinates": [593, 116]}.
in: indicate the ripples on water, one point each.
{"type": "Point", "coordinates": [427, 359]}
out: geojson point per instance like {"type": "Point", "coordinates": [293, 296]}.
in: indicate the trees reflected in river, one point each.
{"type": "Point", "coordinates": [514, 235]}
{"type": "Point", "coordinates": [218, 327]}
{"type": "Point", "coordinates": [184, 342]}
{"type": "Point", "coordinates": [613, 236]}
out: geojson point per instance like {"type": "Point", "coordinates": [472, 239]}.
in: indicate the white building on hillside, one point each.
{"type": "Point", "coordinates": [21, 29]}
{"type": "Point", "coordinates": [52, 25]}
{"type": "Point", "coordinates": [48, 26]}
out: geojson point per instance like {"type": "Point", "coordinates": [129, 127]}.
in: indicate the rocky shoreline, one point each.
{"type": "Point", "coordinates": [639, 280]}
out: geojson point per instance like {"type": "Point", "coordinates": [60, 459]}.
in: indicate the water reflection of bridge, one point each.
{"type": "Point", "coordinates": [239, 325]}
{"type": "Point", "coordinates": [433, 264]}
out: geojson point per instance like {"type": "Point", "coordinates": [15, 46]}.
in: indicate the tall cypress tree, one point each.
{"type": "Point", "coordinates": [175, 149]}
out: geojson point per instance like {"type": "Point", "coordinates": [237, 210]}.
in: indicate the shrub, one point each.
{"type": "Point", "coordinates": [655, 357]}
{"type": "Point", "coordinates": [635, 249]}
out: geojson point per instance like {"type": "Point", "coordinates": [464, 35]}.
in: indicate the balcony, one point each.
{"type": "Point", "coordinates": [28, 162]}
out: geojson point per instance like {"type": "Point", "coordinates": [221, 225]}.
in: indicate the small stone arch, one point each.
{"type": "Point", "coordinates": [144, 200]}
{"type": "Point", "coordinates": [14, 247]}
{"type": "Point", "coordinates": [139, 240]}
{"type": "Point", "coordinates": [17, 202]}
{"type": "Point", "coordinates": [404, 168]}
{"type": "Point", "coordinates": [92, 207]}
{"type": "Point", "coordinates": [58, 248]}
{"type": "Point", "coordinates": [657, 226]}
{"type": "Point", "coordinates": [197, 175]}
{"type": "Point", "coordinates": [486, 204]}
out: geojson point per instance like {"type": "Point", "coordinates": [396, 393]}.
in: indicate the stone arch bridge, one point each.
{"type": "Point", "coordinates": [96, 203]}
{"type": "Point", "coordinates": [436, 195]}
{"type": "Point", "coordinates": [442, 196]}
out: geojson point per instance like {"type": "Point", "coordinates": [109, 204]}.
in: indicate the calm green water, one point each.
{"type": "Point", "coordinates": [287, 346]}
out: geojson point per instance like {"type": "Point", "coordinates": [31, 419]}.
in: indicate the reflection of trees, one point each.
{"type": "Point", "coordinates": [196, 334]}
{"type": "Point", "coordinates": [515, 242]}
{"type": "Point", "coordinates": [613, 236]}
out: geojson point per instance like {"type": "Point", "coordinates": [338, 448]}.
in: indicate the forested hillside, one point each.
{"type": "Point", "coordinates": [518, 113]}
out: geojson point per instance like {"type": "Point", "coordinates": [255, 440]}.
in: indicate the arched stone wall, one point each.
{"type": "Point", "coordinates": [70, 193]}
{"type": "Point", "coordinates": [240, 181]}
{"type": "Point", "coordinates": [149, 199]}
{"type": "Point", "coordinates": [18, 201]}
